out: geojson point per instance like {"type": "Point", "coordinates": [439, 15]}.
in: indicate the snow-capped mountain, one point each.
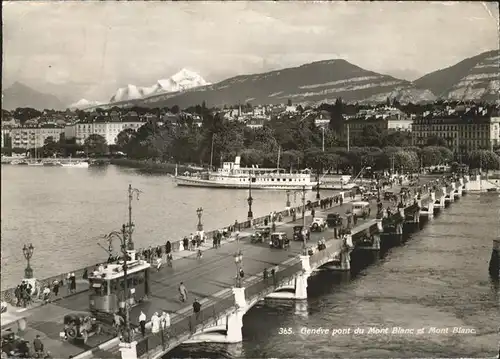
{"type": "Point", "coordinates": [83, 104]}
{"type": "Point", "coordinates": [181, 81]}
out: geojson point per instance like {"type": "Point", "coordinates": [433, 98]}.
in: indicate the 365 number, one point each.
{"type": "Point", "coordinates": [285, 331]}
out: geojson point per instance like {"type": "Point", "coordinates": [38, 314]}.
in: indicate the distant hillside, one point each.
{"type": "Point", "coordinates": [317, 82]}
{"type": "Point", "coordinates": [473, 78]}
{"type": "Point", "coordinates": [19, 95]}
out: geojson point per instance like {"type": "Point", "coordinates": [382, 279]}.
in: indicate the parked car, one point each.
{"type": "Point", "coordinates": [279, 240]}
{"type": "Point", "coordinates": [361, 209]}
{"type": "Point", "coordinates": [333, 220]}
{"type": "Point", "coordinates": [318, 225]}
{"type": "Point", "coordinates": [299, 232]}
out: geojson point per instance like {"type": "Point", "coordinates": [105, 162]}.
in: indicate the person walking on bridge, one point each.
{"type": "Point", "coordinates": [196, 309]}
{"type": "Point", "coordinates": [142, 323]}
{"type": "Point", "coordinates": [183, 292]}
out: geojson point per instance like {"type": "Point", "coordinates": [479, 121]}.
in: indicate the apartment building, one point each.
{"type": "Point", "coordinates": [461, 134]}
{"type": "Point", "coordinates": [30, 136]}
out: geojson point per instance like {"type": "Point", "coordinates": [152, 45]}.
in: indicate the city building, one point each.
{"type": "Point", "coordinates": [108, 129]}
{"type": "Point", "coordinates": [30, 136]}
{"type": "Point", "coordinates": [461, 134]}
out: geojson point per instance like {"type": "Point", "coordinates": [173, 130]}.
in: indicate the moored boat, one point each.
{"type": "Point", "coordinates": [231, 175]}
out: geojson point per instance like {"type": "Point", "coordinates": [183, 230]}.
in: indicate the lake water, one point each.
{"type": "Point", "coordinates": [65, 212]}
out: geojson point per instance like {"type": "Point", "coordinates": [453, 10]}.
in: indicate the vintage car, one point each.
{"type": "Point", "coordinates": [334, 220]}
{"type": "Point", "coordinates": [279, 240]}
{"type": "Point", "coordinates": [299, 231]}
{"type": "Point", "coordinates": [361, 209]}
{"type": "Point", "coordinates": [318, 225]}
{"type": "Point", "coordinates": [80, 327]}
{"type": "Point", "coordinates": [369, 195]}
{"type": "Point", "coordinates": [260, 234]}
{"type": "Point", "coordinates": [390, 196]}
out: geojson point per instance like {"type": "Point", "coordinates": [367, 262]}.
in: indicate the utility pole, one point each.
{"type": "Point", "coordinates": [125, 284]}
{"type": "Point", "coordinates": [130, 224]}
{"type": "Point", "coordinates": [304, 219]}
{"type": "Point", "coordinates": [323, 143]}
{"type": "Point", "coordinates": [348, 138]}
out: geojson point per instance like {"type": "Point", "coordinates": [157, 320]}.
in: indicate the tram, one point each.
{"type": "Point", "coordinates": [107, 285]}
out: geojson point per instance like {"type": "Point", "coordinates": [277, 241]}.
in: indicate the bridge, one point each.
{"type": "Point", "coordinates": [212, 280]}
{"type": "Point", "coordinates": [222, 320]}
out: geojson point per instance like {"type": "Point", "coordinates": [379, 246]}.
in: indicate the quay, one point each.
{"type": "Point", "coordinates": [212, 279]}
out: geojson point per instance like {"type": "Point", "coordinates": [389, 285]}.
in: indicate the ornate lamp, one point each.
{"type": "Point", "coordinates": [28, 254]}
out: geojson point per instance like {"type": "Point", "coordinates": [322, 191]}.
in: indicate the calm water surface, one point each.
{"type": "Point", "coordinates": [439, 278]}
{"type": "Point", "coordinates": [65, 211]}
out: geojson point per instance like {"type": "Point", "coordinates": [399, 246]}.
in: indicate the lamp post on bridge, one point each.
{"type": "Point", "coordinates": [304, 244]}
{"type": "Point", "coordinates": [28, 254]}
{"type": "Point", "coordinates": [199, 213]}
{"type": "Point", "coordinates": [250, 201]}
{"type": "Point", "coordinates": [317, 188]}
{"type": "Point", "coordinates": [238, 259]}
{"type": "Point", "coordinates": [122, 236]}
{"type": "Point", "coordinates": [130, 226]}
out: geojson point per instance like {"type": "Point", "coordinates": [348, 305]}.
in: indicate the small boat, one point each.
{"type": "Point", "coordinates": [52, 163]}
{"type": "Point", "coordinates": [19, 162]}
{"type": "Point", "coordinates": [35, 163]}
{"type": "Point", "coordinates": [75, 164]}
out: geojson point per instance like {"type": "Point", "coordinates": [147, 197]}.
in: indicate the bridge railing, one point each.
{"type": "Point", "coordinates": [185, 326]}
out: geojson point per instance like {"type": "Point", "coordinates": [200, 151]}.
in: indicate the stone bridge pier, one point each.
{"type": "Point", "coordinates": [439, 202]}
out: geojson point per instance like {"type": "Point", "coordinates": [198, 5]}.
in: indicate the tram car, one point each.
{"type": "Point", "coordinates": [107, 285]}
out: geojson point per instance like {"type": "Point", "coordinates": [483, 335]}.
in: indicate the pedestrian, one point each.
{"type": "Point", "coordinates": [142, 323]}
{"type": "Point", "coordinates": [38, 345]}
{"type": "Point", "coordinates": [155, 323]}
{"type": "Point", "coordinates": [46, 295]}
{"type": "Point", "coordinates": [199, 254]}
{"type": "Point", "coordinates": [85, 275]}
{"type": "Point", "coordinates": [265, 274]}
{"type": "Point", "coordinates": [169, 259]}
{"type": "Point", "coordinates": [185, 243]}
{"type": "Point", "coordinates": [183, 292]}
{"type": "Point", "coordinates": [72, 283]}
{"type": "Point", "coordinates": [55, 287]}
{"type": "Point", "coordinates": [158, 264]}
{"type": "Point", "coordinates": [68, 282]}
{"type": "Point", "coordinates": [165, 323]}
{"type": "Point", "coordinates": [196, 308]}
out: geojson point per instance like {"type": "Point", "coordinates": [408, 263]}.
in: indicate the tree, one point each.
{"type": "Point", "coordinates": [123, 138]}
{"type": "Point", "coordinates": [50, 147]}
{"type": "Point", "coordinates": [175, 109]}
{"type": "Point", "coordinates": [431, 156]}
{"type": "Point", "coordinates": [436, 141]}
{"type": "Point", "coordinates": [96, 144]}
{"type": "Point", "coordinates": [482, 159]}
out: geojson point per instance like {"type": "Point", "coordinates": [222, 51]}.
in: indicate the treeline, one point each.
{"type": "Point", "coordinates": [295, 143]}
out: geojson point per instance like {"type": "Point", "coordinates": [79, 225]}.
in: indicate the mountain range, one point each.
{"type": "Point", "coordinates": [181, 81]}
{"type": "Point", "coordinates": [475, 78]}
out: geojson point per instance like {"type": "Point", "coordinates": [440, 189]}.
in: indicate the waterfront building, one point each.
{"type": "Point", "coordinates": [102, 126]}
{"type": "Point", "coordinates": [34, 135]}
{"type": "Point", "coordinates": [391, 123]}
{"type": "Point", "coordinates": [461, 133]}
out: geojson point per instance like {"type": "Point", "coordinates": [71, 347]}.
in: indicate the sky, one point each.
{"type": "Point", "coordinates": [89, 49]}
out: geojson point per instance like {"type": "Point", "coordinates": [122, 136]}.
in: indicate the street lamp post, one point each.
{"type": "Point", "coordinates": [122, 237]}
{"type": "Point", "coordinates": [304, 244]}
{"type": "Point", "coordinates": [238, 259]}
{"type": "Point", "coordinates": [250, 201]}
{"type": "Point", "coordinates": [28, 254]}
{"type": "Point", "coordinates": [130, 226]}
{"type": "Point", "coordinates": [317, 189]}
{"type": "Point", "coordinates": [199, 212]}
